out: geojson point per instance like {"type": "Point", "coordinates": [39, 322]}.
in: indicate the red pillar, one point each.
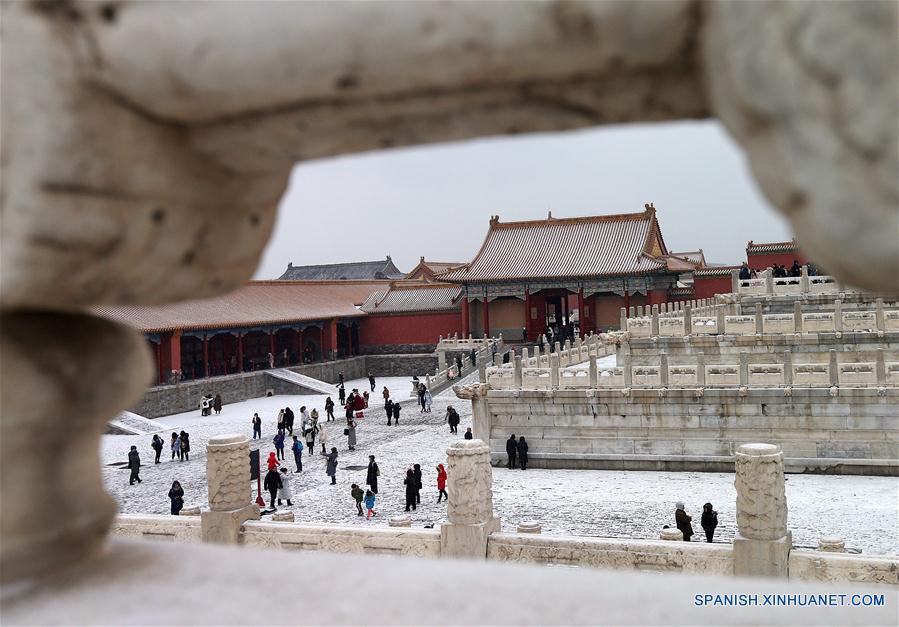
{"type": "Point", "coordinates": [465, 322]}
{"type": "Point", "coordinates": [239, 351]}
{"type": "Point", "coordinates": [486, 317]}
{"type": "Point", "coordinates": [205, 355]}
{"type": "Point", "coordinates": [299, 345]}
{"type": "Point", "coordinates": [527, 315]}
{"type": "Point", "coordinates": [333, 330]}
{"type": "Point", "coordinates": [627, 300]}
{"type": "Point", "coordinates": [321, 342]}
{"type": "Point", "coordinates": [271, 342]}
{"type": "Point", "coordinates": [160, 372]}
{"type": "Point", "coordinates": [582, 319]}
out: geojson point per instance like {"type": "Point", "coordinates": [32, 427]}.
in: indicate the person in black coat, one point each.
{"type": "Point", "coordinates": [288, 419]}
{"type": "Point", "coordinates": [683, 521]}
{"type": "Point", "coordinates": [396, 413]}
{"type": "Point", "coordinates": [273, 484]}
{"type": "Point", "coordinates": [388, 409]}
{"type": "Point", "coordinates": [134, 465]}
{"type": "Point", "coordinates": [512, 450]}
{"type": "Point", "coordinates": [176, 494]}
{"type": "Point", "coordinates": [371, 478]}
{"type": "Point", "coordinates": [157, 445]}
{"type": "Point", "coordinates": [329, 409]}
{"type": "Point", "coordinates": [418, 485]}
{"type": "Point", "coordinates": [709, 521]}
{"type": "Point", "coordinates": [468, 434]}
{"type": "Point", "coordinates": [411, 489]}
{"type": "Point", "coordinates": [185, 445]}
{"type": "Point", "coordinates": [371, 381]}
{"type": "Point", "coordinates": [452, 417]}
{"type": "Point", "coordinates": [522, 453]}
{"type": "Point", "coordinates": [341, 393]}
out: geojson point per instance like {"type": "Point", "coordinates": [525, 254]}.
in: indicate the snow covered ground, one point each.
{"type": "Point", "coordinates": [861, 510]}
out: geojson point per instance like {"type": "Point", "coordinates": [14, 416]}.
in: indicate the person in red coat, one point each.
{"type": "Point", "coordinates": [441, 482]}
{"type": "Point", "coordinates": [358, 401]}
{"type": "Point", "coordinates": [272, 461]}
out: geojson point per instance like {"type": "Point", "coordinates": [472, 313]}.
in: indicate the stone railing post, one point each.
{"type": "Point", "coordinates": [769, 281]}
{"type": "Point", "coordinates": [228, 485]}
{"type": "Point", "coordinates": [838, 316]}
{"type": "Point", "coordinates": [803, 280]}
{"type": "Point", "coordinates": [654, 323]}
{"type": "Point", "coordinates": [626, 368]}
{"type": "Point", "coordinates": [744, 368]}
{"type": "Point", "coordinates": [470, 504]}
{"type": "Point", "coordinates": [700, 369]}
{"type": "Point", "coordinates": [622, 324]}
{"type": "Point", "coordinates": [763, 542]}
{"type": "Point", "coordinates": [516, 373]}
{"type": "Point", "coordinates": [720, 315]}
{"type": "Point", "coordinates": [525, 356]}
{"type": "Point", "coordinates": [759, 319]}
{"type": "Point", "coordinates": [735, 281]}
{"type": "Point", "coordinates": [797, 316]}
{"type": "Point", "coordinates": [880, 367]}
{"type": "Point", "coordinates": [663, 369]}
{"type": "Point", "coordinates": [480, 411]}
{"type": "Point", "coordinates": [558, 348]}
{"type": "Point", "coordinates": [554, 371]}
{"type": "Point", "coordinates": [878, 315]}
{"type": "Point", "coordinates": [594, 377]}
{"type": "Point", "coordinates": [497, 359]}
{"type": "Point", "coordinates": [788, 368]}
{"type": "Point", "coordinates": [688, 320]}
{"type": "Point", "coordinates": [833, 368]}
{"type": "Point", "coordinates": [482, 371]}
{"type": "Point", "coordinates": [632, 312]}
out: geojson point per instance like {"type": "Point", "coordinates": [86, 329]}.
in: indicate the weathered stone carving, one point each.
{"type": "Point", "coordinates": [228, 486]}
{"type": "Point", "coordinates": [470, 508]}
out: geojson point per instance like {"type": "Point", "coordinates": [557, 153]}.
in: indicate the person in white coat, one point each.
{"type": "Point", "coordinates": [286, 491]}
{"type": "Point", "coordinates": [323, 438]}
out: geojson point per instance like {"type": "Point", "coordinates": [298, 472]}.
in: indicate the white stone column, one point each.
{"type": "Point", "coordinates": [763, 542]}
{"type": "Point", "coordinates": [470, 505]}
{"type": "Point", "coordinates": [880, 368]}
{"type": "Point", "coordinates": [735, 281]}
{"type": "Point", "coordinates": [688, 320]}
{"type": "Point", "coordinates": [797, 316]}
{"type": "Point", "coordinates": [654, 321]}
{"type": "Point", "coordinates": [833, 367]}
{"type": "Point", "coordinates": [516, 373]}
{"type": "Point", "coordinates": [663, 369]}
{"type": "Point", "coordinates": [803, 280]}
{"type": "Point", "coordinates": [480, 412]}
{"type": "Point", "coordinates": [720, 317]}
{"type": "Point", "coordinates": [769, 281]}
{"type": "Point", "coordinates": [700, 369]}
{"type": "Point", "coordinates": [759, 319]}
{"type": "Point", "coordinates": [788, 368]}
{"type": "Point", "coordinates": [622, 324]}
{"type": "Point", "coordinates": [228, 485]}
{"type": "Point", "coordinates": [878, 314]}
{"type": "Point", "coordinates": [554, 371]}
{"type": "Point", "coordinates": [594, 378]}
{"type": "Point", "coordinates": [838, 316]}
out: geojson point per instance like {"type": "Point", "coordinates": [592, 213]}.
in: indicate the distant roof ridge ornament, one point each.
{"type": "Point", "coordinates": [494, 220]}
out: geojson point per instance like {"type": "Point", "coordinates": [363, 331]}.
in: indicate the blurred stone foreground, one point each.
{"type": "Point", "coordinates": [136, 132]}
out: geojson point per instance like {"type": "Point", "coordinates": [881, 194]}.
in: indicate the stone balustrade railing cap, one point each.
{"type": "Point", "coordinates": [227, 439]}
{"type": "Point", "coordinates": [468, 447]}
{"type": "Point", "coordinates": [758, 449]}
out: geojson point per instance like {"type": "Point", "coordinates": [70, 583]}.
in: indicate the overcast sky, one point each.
{"type": "Point", "coordinates": [437, 200]}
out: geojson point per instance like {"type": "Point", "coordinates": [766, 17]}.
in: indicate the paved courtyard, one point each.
{"type": "Point", "coordinates": [861, 510]}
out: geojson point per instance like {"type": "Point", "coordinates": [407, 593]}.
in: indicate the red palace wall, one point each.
{"type": "Point", "coordinates": [417, 328]}
{"type": "Point", "coordinates": [708, 287]}
{"type": "Point", "coordinates": [761, 262]}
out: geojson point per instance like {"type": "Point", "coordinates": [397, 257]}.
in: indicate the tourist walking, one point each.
{"type": "Point", "coordinates": [297, 448]}
{"type": "Point", "coordinates": [428, 400]}
{"type": "Point", "coordinates": [176, 495]}
{"type": "Point", "coordinates": [441, 483]}
{"type": "Point", "coordinates": [134, 465]}
{"type": "Point", "coordinates": [370, 504]}
{"type": "Point", "coordinates": [286, 490]}
{"type": "Point", "coordinates": [473, 356]}
{"type": "Point", "coordinates": [176, 446]}
{"type": "Point", "coordinates": [272, 483]}
{"type": "Point", "coordinates": [288, 420]}
{"type": "Point", "coordinates": [421, 396]}
{"type": "Point", "coordinates": [185, 445]}
{"type": "Point", "coordinates": [388, 409]}
{"type": "Point", "coordinates": [709, 521]}
{"type": "Point", "coordinates": [468, 434]}
{"type": "Point", "coordinates": [351, 433]}
{"type": "Point", "coordinates": [416, 470]}
{"type": "Point", "coordinates": [340, 379]}
{"type": "Point", "coordinates": [411, 490]}
{"type": "Point", "coordinates": [452, 417]}
{"type": "Point", "coordinates": [371, 477]}
{"type": "Point", "coordinates": [523, 453]}
{"type": "Point", "coordinates": [512, 451]}
{"type": "Point", "coordinates": [257, 426]}
{"type": "Point", "coordinates": [371, 381]}
{"type": "Point", "coordinates": [331, 466]}
{"type": "Point", "coordinates": [329, 409]}
{"type": "Point", "coordinates": [157, 445]}
{"type": "Point", "coordinates": [279, 443]}
{"type": "Point", "coordinates": [385, 393]}
{"type": "Point", "coordinates": [305, 418]}
{"type": "Point", "coordinates": [309, 432]}
{"type": "Point", "coordinates": [314, 417]}
{"type": "Point", "coordinates": [683, 521]}
{"type": "Point", "coordinates": [341, 394]}
{"type": "Point", "coordinates": [396, 414]}
{"type": "Point", "coordinates": [459, 365]}
{"type": "Point", "coordinates": [217, 404]}
{"type": "Point", "coordinates": [280, 425]}
{"type": "Point", "coordinates": [323, 438]}
{"type": "Point", "coordinates": [357, 494]}
{"type": "Point", "coordinates": [272, 461]}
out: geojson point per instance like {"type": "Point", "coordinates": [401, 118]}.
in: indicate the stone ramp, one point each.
{"type": "Point", "coordinates": [314, 385]}
{"type": "Point", "coordinates": [129, 423]}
